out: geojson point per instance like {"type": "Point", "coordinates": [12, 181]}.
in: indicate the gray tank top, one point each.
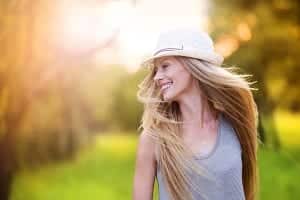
{"type": "Point", "coordinates": [223, 162]}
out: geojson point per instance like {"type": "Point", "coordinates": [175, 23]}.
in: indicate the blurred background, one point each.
{"type": "Point", "coordinates": [69, 71]}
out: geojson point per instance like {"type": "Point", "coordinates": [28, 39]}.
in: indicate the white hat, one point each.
{"type": "Point", "coordinates": [185, 42]}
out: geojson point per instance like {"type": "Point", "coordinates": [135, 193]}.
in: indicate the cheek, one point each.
{"type": "Point", "coordinates": [183, 80]}
{"type": "Point", "coordinates": [187, 80]}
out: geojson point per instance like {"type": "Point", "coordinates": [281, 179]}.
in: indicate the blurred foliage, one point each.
{"type": "Point", "coordinates": [51, 101]}
{"type": "Point", "coordinates": [288, 127]}
{"type": "Point", "coordinates": [127, 110]}
{"type": "Point", "coordinates": [268, 37]}
{"type": "Point", "coordinates": [97, 89]}
{"type": "Point", "coordinates": [263, 38]}
{"type": "Point", "coordinates": [37, 92]}
{"type": "Point", "coordinates": [44, 115]}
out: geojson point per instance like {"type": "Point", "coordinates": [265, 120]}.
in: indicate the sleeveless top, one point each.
{"type": "Point", "coordinates": [224, 163]}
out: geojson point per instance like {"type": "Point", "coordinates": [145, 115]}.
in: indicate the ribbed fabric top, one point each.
{"type": "Point", "coordinates": [223, 163]}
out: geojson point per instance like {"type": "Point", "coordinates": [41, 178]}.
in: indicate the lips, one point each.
{"type": "Point", "coordinates": [165, 86]}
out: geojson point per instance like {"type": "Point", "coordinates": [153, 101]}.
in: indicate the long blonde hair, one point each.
{"type": "Point", "coordinates": [225, 91]}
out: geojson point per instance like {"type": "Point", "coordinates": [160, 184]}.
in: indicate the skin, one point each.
{"type": "Point", "coordinates": [185, 90]}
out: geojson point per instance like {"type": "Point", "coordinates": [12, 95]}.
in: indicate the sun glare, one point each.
{"type": "Point", "coordinates": [84, 25]}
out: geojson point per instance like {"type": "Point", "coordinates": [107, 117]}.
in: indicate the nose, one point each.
{"type": "Point", "coordinates": [158, 76]}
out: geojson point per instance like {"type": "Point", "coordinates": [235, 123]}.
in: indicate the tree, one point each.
{"type": "Point", "coordinates": [43, 117]}
{"type": "Point", "coordinates": [126, 109]}
{"type": "Point", "coordinates": [262, 37]}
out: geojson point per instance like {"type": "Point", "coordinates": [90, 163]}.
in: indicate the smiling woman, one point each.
{"type": "Point", "coordinates": [171, 77]}
{"type": "Point", "coordinates": [199, 137]}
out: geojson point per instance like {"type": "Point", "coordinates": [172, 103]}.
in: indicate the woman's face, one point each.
{"type": "Point", "coordinates": [171, 77]}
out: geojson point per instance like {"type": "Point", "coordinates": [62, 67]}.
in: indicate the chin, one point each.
{"type": "Point", "coordinates": [168, 97]}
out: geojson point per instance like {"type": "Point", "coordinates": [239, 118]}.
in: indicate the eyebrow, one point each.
{"type": "Point", "coordinates": [163, 59]}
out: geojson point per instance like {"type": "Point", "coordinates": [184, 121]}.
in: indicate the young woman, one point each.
{"type": "Point", "coordinates": [199, 137]}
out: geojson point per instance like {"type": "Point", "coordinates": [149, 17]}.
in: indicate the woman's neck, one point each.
{"type": "Point", "coordinates": [194, 108]}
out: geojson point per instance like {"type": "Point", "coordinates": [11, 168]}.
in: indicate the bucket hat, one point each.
{"type": "Point", "coordinates": [185, 42]}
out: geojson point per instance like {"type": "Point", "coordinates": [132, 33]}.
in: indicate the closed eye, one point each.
{"type": "Point", "coordinates": [165, 66]}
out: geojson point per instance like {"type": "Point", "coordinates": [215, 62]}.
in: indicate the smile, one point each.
{"type": "Point", "coordinates": [166, 86]}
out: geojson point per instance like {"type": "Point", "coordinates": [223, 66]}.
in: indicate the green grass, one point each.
{"type": "Point", "coordinates": [279, 175]}
{"type": "Point", "coordinates": [105, 170]}
{"type": "Point", "coordinates": [102, 171]}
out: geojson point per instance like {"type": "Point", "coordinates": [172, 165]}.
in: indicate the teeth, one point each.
{"type": "Point", "coordinates": [166, 86]}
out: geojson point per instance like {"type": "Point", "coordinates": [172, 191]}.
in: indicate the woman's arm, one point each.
{"type": "Point", "coordinates": [145, 168]}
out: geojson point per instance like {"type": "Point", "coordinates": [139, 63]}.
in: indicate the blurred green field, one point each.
{"type": "Point", "coordinates": [105, 170]}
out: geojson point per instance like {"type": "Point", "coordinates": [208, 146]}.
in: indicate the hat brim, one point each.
{"type": "Point", "coordinates": [213, 58]}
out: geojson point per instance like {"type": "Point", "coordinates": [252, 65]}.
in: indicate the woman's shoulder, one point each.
{"type": "Point", "coordinates": [147, 146]}
{"type": "Point", "coordinates": [147, 139]}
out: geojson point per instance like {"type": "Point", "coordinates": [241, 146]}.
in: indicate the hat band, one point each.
{"type": "Point", "coordinates": [167, 49]}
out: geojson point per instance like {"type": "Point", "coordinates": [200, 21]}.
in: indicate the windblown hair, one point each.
{"type": "Point", "coordinates": [223, 90]}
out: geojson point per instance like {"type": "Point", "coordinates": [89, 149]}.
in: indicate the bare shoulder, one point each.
{"type": "Point", "coordinates": [147, 146]}
{"type": "Point", "coordinates": [146, 138]}
{"type": "Point", "coordinates": [145, 169]}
